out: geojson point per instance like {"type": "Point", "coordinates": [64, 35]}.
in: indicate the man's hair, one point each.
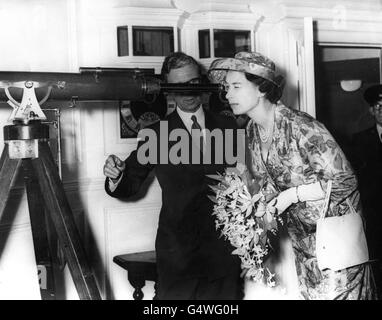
{"type": "Point", "coordinates": [373, 94]}
{"type": "Point", "coordinates": [177, 60]}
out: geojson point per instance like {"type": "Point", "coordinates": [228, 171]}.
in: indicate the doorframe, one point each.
{"type": "Point", "coordinates": [347, 45]}
{"type": "Point", "coordinates": [355, 45]}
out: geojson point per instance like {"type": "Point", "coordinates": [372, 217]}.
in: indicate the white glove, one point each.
{"type": "Point", "coordinates": [310, 192]}
{"type": "Point", "coordinates": [283, 200]}
{"type": "Point", "coordinates": [305, 192]}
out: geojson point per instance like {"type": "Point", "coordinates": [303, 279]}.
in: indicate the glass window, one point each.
{"type": "Point", "coordinates": [229, 42]}
{"type": "Point", "coordinates": [153, 41]}
{"type": "Point", "coordinates": [204, 44]}
{"type": "Point", "coordinates": [179, 39]}
{"type": "Point", "coordinates": [123, 41]}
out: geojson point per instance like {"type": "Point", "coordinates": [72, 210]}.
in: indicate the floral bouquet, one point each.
{"type": "Point", "coordinates": [245, 220]}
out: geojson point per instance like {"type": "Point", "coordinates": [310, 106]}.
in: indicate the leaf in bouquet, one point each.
{"type": "Point", "coordinates": [249, 211]}
{"type": "Point", "coordinates": [251, 222]}
{"type": "Point", "coordinates": [245, 194]}
{"type": "Point", "coordinates": [261, 209]}
{"type": "Point", "coordinates": [269, 243]}
{"type": "Point", "coordinates": [245, 265]}
{"type": "Point", "coordinates": [263, 239]}
{"type": "Point", "coordinates": [238, 251]}
{"type": "Point", "coordinates": [268, 217]}
{"type": "Point", "coordinates": [241, 167]}
{"type": "Point", "coordinates": [252, 242]}
{"type": "Point", "coordinates": [253, 186]}
{"type": "Point", "coordinates": [232, 189]}
{"type": "Point", "coordinates": [233, 171]}
{"type": "Point", "coordinates": [217, 177]}
{"type": "Point", "coordinates": [270, 196]}
{"type": "Point", "coordinates": [259, 223]}
{"type": "Point", "coordinates": [217, 188]}
{"type": "Point", "coordinates": [271, 208]}
{"type": "Point", "coordinates": [256, 239]}
{"type": "Point", "coordinates": [225, 184]}
{"type": "Point", "coordinates": [232, 204]}
{"type": "Point", "coordinates": [273, 240]}
{"type": "Point", "coordinates": [255, 274]}
{"type": "Point", "coordinates": [266, 230]}
{"type": "Point", "coordinates": [213, 199]}
{"type": "Point", "coordinates": [273, 224]}
{"type": "Point", "coordinates": [256, 198]}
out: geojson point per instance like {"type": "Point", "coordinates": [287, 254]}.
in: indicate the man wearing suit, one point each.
{"type": "Point", "coordinates": [193, 261]}
{"type": "Point", "coordinates": [367, 162]}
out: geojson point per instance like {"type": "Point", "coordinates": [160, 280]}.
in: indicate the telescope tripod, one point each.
{"type": "Point", "coordinates": [26, 146]}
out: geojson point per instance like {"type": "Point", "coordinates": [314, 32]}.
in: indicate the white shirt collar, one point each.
{"type": "Point", "coordinates": [186, 117]}
{"type": "Point", "coordinates": [379, 129]}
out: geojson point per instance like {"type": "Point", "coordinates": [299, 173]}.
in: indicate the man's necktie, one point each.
{"type": "Point", "coordinates": [196, 126]}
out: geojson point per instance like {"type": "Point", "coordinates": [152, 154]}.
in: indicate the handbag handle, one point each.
{"type": "Point", "coordinates": [352, 210]}
{"type": "Point", "coordinates": [327, 198]}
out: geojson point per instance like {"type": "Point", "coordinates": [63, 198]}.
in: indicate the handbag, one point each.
{"type": "Point", "coordinates": [340, 240]}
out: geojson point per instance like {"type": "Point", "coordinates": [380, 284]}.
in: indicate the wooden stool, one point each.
{"type": "Point", "coordinates": [140, 266]}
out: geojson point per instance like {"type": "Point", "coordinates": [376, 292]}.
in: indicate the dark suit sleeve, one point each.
{"type": "Point", "coordinates": [133, 177]}
{"type": "Point", "coordinates": [355, 156]}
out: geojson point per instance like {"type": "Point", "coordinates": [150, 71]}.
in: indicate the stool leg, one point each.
{"type": "Point", "coordinates": [138, 283]}
{"type": "Point", "coordinates": [155, 291]}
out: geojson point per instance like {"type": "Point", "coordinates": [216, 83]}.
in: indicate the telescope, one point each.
{"type": "Point", "coordinates": [90, 84]}
{"type": "Point", "coordinates": [26, 146]}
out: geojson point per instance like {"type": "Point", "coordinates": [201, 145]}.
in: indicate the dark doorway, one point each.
{"type": "Point", "coordinates": [344, 112]}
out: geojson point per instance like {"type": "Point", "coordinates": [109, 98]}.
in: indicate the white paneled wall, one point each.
{"type": "Point", "coordinates": [35, 35]}
{"type": "Point", "coordinates": [63, 35]}
{"type": "Point", "coordinates": [44, 36]}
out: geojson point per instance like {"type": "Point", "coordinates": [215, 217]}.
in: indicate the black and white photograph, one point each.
{"type": "Point", "coordinates": [204, 151]}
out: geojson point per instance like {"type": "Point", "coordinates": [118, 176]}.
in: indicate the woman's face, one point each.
{"type": "Point", "coordinates": [243, 95]}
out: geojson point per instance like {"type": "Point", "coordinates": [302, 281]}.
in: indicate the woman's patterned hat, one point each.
{"type": "Point", "coordinates": [249, 62]}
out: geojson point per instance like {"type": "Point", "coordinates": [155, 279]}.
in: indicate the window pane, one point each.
{"type": "Point", "coordinates": [229, 42]}
{"type": "Point", "coordinates": [123, 41]}
{"type": "Point", "coordinates": [179, 40]}
{"type": "Point", "coordinates": [153, 41]}
{"type": "Point", "coordinates": [204, 44]}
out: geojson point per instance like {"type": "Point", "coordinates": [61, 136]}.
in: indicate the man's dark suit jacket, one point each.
{"type": "Point", "coordinates": [367, 162]}
{"type": "Point", "coordinates": [187, 243]}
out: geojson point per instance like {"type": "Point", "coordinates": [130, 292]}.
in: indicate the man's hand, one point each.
{"type": "Point", "coordinates": [113, 167]}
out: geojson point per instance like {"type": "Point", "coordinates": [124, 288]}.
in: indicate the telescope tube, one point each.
{"type": "Point", "coordinates": [87, 86]}
{"type": "Point", "coordinates": [95, 84]}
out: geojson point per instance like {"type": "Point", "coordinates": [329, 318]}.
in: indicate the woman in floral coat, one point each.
{"type": "Point", "coordinates": [297, 156]}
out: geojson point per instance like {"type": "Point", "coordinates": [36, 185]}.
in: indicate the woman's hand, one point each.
{"type": "Point", "coordinates": [283, 201]}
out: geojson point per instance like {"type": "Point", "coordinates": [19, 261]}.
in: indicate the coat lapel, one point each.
{"type": "Point", "coordinates": [175, 122]}
{"type": "Point", "coordinates": [210, 121]}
